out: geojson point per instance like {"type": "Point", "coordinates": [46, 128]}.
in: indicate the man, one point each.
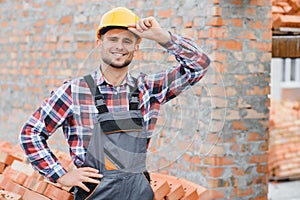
{"type": "Point", "coordinates": [108, 116]}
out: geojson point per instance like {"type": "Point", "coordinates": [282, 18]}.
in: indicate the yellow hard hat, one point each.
{"type": "Point", "coordinates": [120, 17]}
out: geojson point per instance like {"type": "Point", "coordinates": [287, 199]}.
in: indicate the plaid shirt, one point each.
{"type": "Point", "coordinates": [71, 106]}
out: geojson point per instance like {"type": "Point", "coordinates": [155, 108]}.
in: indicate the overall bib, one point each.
{"type": "Point", "coordinates": [117, 148]}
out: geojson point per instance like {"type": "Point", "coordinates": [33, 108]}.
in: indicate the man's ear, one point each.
{"type": "Point", "coordinates": [136, 48]}
{"type": "Point", "coordinates": [98, 42]}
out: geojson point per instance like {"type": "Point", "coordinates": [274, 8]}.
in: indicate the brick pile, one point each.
{"type": "Point", "coordinates": [286, 14]}
{"type": "Point", "coordinates": [284, 149]}
{"type": "Point", "coordinates": [19, 181]}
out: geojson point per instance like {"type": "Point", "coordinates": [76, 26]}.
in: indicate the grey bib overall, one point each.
{"type": "Point", "coordinates": [117, 148]}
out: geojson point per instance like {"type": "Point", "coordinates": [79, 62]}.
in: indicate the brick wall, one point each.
{"type": "Point", "coordinates": [214, 135]}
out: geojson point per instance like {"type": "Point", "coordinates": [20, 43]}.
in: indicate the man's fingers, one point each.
{"type": "Point", "coordinates": [91, 180]}
{"type": "Point", "coordinates": [142, 26]}
{"type": "Point", "coordinates": [81, 185]}
{"type": "Point", "coordinates": [92, 174]}
{"type": "Point", "coordinates": [133, 30]}
{"type": "Point", "coordinates": [148, 22]}
{"type": "Point", "coordinates": [89, 169]}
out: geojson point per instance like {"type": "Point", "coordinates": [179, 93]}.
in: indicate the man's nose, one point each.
{"type": "Point", "coordinates": [119, 45]}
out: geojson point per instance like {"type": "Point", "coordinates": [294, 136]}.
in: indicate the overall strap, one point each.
{"type": "Point", "coordinates": [98, 97]}
{"type": "Point", "coordinates": [134, 99]}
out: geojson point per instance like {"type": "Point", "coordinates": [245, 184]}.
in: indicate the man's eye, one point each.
{"type": "Point", "coordinates": [128, 41]}
{"type": "Point", "coordinates": [113, 39]}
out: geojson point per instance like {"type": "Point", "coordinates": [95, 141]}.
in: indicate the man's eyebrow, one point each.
{"type": "Point", "coordinates": [112, 37]}
{"type": "Point", "coordinates": [129, 39]}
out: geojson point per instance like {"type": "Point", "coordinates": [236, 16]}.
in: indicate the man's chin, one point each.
{"type": "Point", "coordinates": [118, 66]}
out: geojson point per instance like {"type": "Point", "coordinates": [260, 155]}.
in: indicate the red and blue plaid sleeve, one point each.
{"type": "Point", "coordinates": [45, 120]}
{"type": "Point", "coordinates": [193, 64]}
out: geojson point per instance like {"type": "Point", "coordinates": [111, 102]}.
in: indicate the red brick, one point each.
{"type": "Point", "coordinates": [216, 194]}
{"type": "Point", "coordinates": [40, 23]}
{"type": "Point", "coordinates": [262, 46]}
{"type": "Point", "coordinates": [253, 136]}
{"type": "Point", "coordinates": [30, 195]}
{"type": "Point", "coordinates": [6, 146]}
{"type": "Point", "coordinates": [4, 158]}
{"type": "Point", "coordinates": [215, 21]}
{"type": "Point", "coordinates": [259, 3]}
{"type": "Point", "coordinates": [257, 25]}
{"type": "Point", "coordinates": [219, 56]}
{"type": "Point", "coordinates": [264, 179]}
{"type": "Point", "coordinates": [188, 24]}
{"type": "Point", "coordinates": [36, 184]}
{"type": "Point", "coordinates": [215, 171]}
{"type": "Point", "coordinates": [2, 167]}
{"type": "Point", "coordinates": [165, 13]}
{"type": "Point", "coordinates": [217, 183]}
{"type": "Point", "coordinates": [262, 158]}
{"type": "Point", "coordinates": [81, 55]}
{"type": "Point", "coordinates": [217, 161]}
{"type": "Point", "coordinates": [216, 1]}
{"type": "Point", "coordinates": [4, 24]}
{"type": "Point", "coordinates": [250, 11]}
{"type": "Point", "coordinates": [230, 45]}
{"type": "Point", "coordinates": [236, 2]}
{"type": "Point", "coordinates": [66, 20]}
{"type": "Point", "coordinates": [242, 192]}
{"type": "Point", "coordinates": [220, 68]}
{"type": "Point", "coordinates": [265, 197]}
{"type": "Point", "coordinates": [213, 44]}
{"type": "Point", "coordinates": [10, 195]}
{"type": "Point", "coordinates": [202, 192]}
{"type": "Point", "coordinates": [85, 45]}
{"type": "Point", "coordinates": [236, 22]}
{"type": "Point", "coordinates": [160, 187]}
{"type": "Point", "coordinates": [216, 11]}
{"type": "Point", "coordinates": [14, 187]}
{"type": "Point", "coordinates": [258, 91]}
{"type": "Point", "coordinates": [22, 167]}
{"type": "Point", "coordinates": [14, 175]}
{"type": "Point", "coordinates": [55, 193]}
{"type": "Point", "coordinates": [176, 188]}
{"type": "Point", "coordinates": [217, 32]}
{"type": "Point", "coordinates": [177, 21]}
{"type": "Point", "coordinates": [239, 125]}
{"type": "Point", "coordinates": [293, 3]}
{"type": "Point", "coordinates": [264, 146]}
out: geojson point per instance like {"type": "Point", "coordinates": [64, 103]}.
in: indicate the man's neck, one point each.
{"type": "Point", "coordinates": [114, 76]}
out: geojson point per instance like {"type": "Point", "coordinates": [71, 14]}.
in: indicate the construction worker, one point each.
{"type": "Point", "coordinates": [108, 116]}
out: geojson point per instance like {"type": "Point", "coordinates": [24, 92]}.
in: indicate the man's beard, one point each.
{"type": "Point", "coordinates": [108, 62]}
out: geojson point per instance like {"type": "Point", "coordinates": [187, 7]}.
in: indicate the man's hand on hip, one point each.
{"type": "Point", "coordinates": [76, 177]}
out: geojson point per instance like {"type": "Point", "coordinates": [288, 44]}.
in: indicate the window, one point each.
{"type": "Point", "coordinates": [290, 73]}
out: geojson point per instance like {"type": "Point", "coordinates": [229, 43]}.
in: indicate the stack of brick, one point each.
{"type": "Point", "coordinates": [167, 187]}
{"type": "Point", "coordinates": [284, 149]}
{"type": "Point", "coordinates": [286, 13]}
{"type": "Point", "coordinates": [18, 180]}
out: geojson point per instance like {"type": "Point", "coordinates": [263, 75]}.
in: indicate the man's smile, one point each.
{"type": "Point", "coordinates": [118, 54]}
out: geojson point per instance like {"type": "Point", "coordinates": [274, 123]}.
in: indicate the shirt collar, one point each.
{"type": "Point", "coordinates": [100, 79]}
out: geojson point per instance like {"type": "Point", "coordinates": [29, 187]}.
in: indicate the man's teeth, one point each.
{"type": "Point", "coordinates": [119, 54]}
